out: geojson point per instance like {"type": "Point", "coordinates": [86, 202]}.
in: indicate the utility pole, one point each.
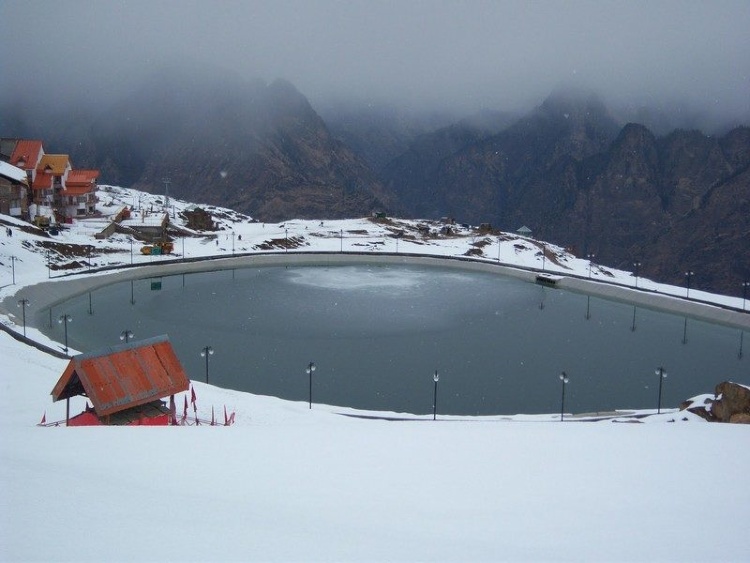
{"type": "Point", "coordinates": [166, 181]}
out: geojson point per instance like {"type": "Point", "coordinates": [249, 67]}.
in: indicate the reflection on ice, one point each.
{"type": "Point", "coordinates": [357, 278]}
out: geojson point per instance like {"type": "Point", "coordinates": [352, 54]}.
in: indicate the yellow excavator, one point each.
{"type": "Point", "coordinates": [156, 248]}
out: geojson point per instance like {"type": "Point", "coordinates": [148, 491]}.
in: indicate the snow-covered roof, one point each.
{"type": "Point", "coordinates": [153, 220]}
{"type": "Point", "coordinates": [13, 172]}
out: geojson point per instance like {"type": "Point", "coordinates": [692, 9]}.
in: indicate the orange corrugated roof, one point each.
{"type": "Point", "coordinates": [28, 151]}
{"type": "Point", "coordinates": [42, 182]}
{"type": "Point", "coordinates": [123, 377]}
{"type": "Point", "coordinates": [57, 162]}
{"type": "Point", "coordinates": [77, 190]}
{"type": "Point", "coordinates": [81, 177]}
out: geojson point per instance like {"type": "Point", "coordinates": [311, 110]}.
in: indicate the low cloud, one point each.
{"type": "Point", "coordinates": [435, 54]}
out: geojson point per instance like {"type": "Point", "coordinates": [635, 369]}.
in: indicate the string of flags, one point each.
{"type": "Point", "coordinates": [173, 419]}
{"type": "Point", "coordinates": [183, 420]}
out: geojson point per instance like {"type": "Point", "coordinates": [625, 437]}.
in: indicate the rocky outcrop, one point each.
{"type": "Point", "coordinates": [731, 403]}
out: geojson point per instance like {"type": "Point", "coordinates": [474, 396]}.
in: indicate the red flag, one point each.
{"type": "Point", "coordinates": [192, 395]}
{"type": "Point", "coordinates": [213, 420]}
{"type": "Point", "coordinates": [226, 419]}
{"type": "Point", "coordinates": [44, 418]}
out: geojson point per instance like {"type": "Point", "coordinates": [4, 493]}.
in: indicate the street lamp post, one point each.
{"type": "Point", "coordinates": [745, 285]}
{"type": "Point", "coordinates": [435, 378]}
{"type": "Point", "coordinates": [544, 255]}
{"type": "Point", "coordinates": [13, 268]}
{"type": "Point", "coordinates": [126, 335]}
{"type": "Point", "coordinates": [310, 369]}
{"type": "Point", "coordinates": [131, 250]}
{"type": "Point", "coordinates": [564, 378]}
{"type": "Point", "coordinates": [341, 239]}
{"type": "Point", "coordinates": [637, 266]}
{"type": "Point", "coordinates": [689, 274]}
{"type": "Point", "coordinates": [232, 243]}
{"type": "Point", "coordinates": [662, 373]}
{"type": "Point", "coordinates": [590, 257]}
{"type": "Point", "coordinates": [23, 303]}
{"type": "Point", "coordinates": [64, 320]}
{"type": "Point", "coordinates": [286, 239]}
{"type": "Point", "coordinates": [206, 352]}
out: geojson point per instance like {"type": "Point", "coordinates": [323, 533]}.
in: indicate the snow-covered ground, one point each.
{"type": "Point", "coordinates": [288, 483]}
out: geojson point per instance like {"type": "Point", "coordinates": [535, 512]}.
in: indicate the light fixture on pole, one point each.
{"type": "Point", "coordinates": [341, 239]}
{"type": "Point", "coordinates": [131, 250]}
{"type": "Point", "coordinates": [310, 370]}
{"type": "Point", "coordinates": [206, 352]}
{"type": "Point", "coordinates": [23, 303]}
{"type": "Point", "coordinates": [590, 257]}
{"type": "Point", "coordinates": [435, 378]}
{"type": "Point", "coordinates": [564, 378]}
{"type": "Point", "coordinates": [662, 373]}
{"type": "Point", "coordinates": [745, 285]}
{"type": "Point", "coordinates": [13, 268]}
{"type": "Point", "coordinates": [689, 274]}
{"type": "Point", "coordinates": [637, 266]}
{"type": "Point", "coordinates": [126, 335]}
{"type": "Point", "coordinates": [64, 320]}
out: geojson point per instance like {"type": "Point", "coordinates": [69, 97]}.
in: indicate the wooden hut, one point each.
{"type": "Point", "coordinates": [125, 384]}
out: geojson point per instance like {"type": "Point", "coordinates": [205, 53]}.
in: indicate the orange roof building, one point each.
{"type": "Point", "coordinates": [125, 383]}
{"type": "Point", "coordinates": [80, 182]}
{"type": "Point", "coordinates": [27, 154]}
{"type": "Point", "coordinates": [55, 164]}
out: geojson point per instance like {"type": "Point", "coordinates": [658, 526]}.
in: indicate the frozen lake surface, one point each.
{"type": "Point", "coordinates": [377, 334]}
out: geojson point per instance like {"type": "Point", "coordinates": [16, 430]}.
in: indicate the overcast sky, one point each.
{"type": "Point", "coordinates": [467, 54]}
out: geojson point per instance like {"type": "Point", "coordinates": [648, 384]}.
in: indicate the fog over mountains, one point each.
{"type": "Point", "coordinates": [573, 170]}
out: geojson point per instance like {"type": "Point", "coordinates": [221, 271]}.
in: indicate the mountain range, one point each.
{"type": "Point", "coordinates": [569, 169]}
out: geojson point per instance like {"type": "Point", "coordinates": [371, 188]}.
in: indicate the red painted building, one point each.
{"type": "Point", "coordinates": [125, 384]}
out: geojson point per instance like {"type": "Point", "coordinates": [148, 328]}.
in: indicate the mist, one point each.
{"type": "Point", "coordinates": [425, 55]}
